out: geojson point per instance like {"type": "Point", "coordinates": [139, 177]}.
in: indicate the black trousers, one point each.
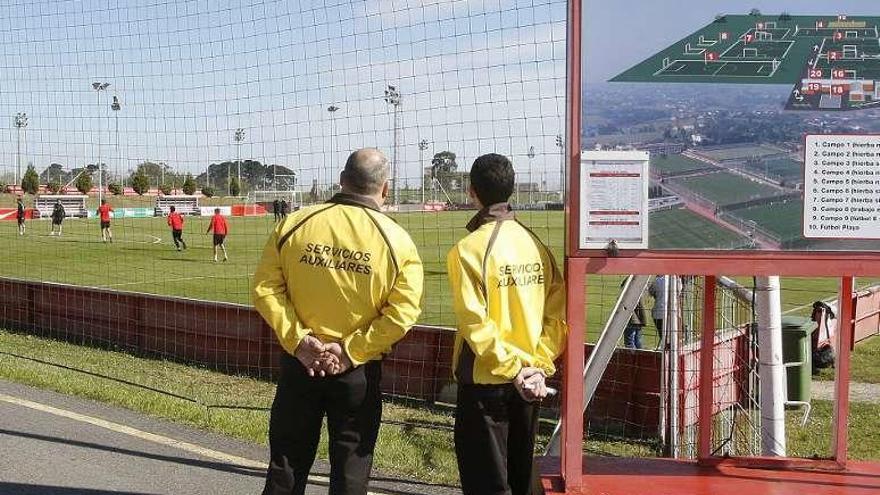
{"type": "Point", "coordinates": [177, 235]}
{"type": "Point", "coordinates": [495, 440]}
{"type": "Point", "coordinates": [352, 403]}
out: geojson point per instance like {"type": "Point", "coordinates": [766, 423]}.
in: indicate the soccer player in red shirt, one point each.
{"type": "Point", "coordinates": [104, 212]}
{"type": "Point", "coordinates": [175, 221]}
{"type": "Point", "coordinates": [218, 225]}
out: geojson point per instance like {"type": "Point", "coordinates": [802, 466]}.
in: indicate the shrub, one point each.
{"type": "Point", "coordinates": [189, 185]}
{"type": "Point", "coordinates": [234, 187]}
{"type": "Point", "coordinates": [30, 183]}
{"type": "Point", "coordinates": [165, 189]}
{"type": "Point", "coordinates": [208, 191]}
{"type": "Point", "coordinates": [140, 183]}
{"type": "Point", "coordinates": [54, 187]}
{"type": "Point", "coordinates": [84, 183]}
{"type": "Point", "coordinates": [115, 189]}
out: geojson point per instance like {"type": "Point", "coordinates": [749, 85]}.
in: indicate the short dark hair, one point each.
{"type": "Point", "coordinates": [172, 208]}
{"type": "Point", "coordinates": [217, 211]}
{"type": "Point", "coordinates": [492, 177]}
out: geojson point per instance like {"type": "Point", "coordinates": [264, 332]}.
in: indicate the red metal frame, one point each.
{"type": "Point", "coordinates": [707, 368]}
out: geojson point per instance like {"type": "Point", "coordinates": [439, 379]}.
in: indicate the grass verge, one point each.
{"type": "Point", "coordinates": [405, 450]}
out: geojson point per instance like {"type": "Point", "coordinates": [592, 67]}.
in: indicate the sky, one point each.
{"type": "Point", "coordinates": [474, 76]}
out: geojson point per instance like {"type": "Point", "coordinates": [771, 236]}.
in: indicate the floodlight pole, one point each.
{"type": "Point", "coordinates": [98, 87]}
{"type": "Point", "coordinates": [560, 142]}
{"type": "Point", "coordinates": [392, 97]}
{"type": "Point", "coordinates": [116, 107]}
{"type": "Point", "coordinates": [531, 155]}
{"type": "Point", "coordinates": [20, 120]}
{"type": "Point", "coordinates": [238, 137]}
{"type": "Point", "coordinates": [332, 109]}
{"type": "Point", "coordinates": [423, 145]}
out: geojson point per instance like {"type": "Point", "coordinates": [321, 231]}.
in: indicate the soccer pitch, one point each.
{"type": "Point", "coordinates": [726, 188]}
{"type": "Point", "coordinates": [142, 258]}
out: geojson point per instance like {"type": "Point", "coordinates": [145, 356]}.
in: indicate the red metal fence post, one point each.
{"type": "Point", "coordinates": [842, 371]}
{"type": "Point", "coordinates": [707, 369]}
{"type": "Point", "coordinates": [572, 378]}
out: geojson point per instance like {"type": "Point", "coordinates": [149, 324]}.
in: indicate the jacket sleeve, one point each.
{"type": "Point", "coordinates": [399, 313]}
{"type": "Point", "coordinates": [479, 331]}
{"type": "Point", "coordinates": [271, 301]}
{"type": "Point", "coordinates": [555, 331]}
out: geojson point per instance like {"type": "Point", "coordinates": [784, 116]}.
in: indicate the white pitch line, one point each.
{"type": "Point", "coordinates": [152, 437]}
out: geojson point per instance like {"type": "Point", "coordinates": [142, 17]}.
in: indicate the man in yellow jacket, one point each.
{"type": "Point", "coordinates": [509, 301]}
{"type": "Point", "coordinates": [339, 283]}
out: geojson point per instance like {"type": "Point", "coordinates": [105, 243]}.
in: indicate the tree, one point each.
{"type": "Point", "coordinates": [189, 185]}
{"type": "Point", "coordinates": [443, 168]}
{"type": "Point", "coordinates": [84, 183]}
{"type": "Point", "coordinates": [30, 183]}
{"type": "Point", "coordinates": [234, 187]}
{"type": "Point", "coordinates": [754, 12]}
{"type": "Point", "coordinates": [115, 188]}
{"type": "Point", "coordinates": [155, 172]}
{"type": "Point", "coordinates": [720, 18]}
{"type": "Point", "coordinates": [140, 182]}
{"type": "Point", "coordinates": [208, 191]}
{"type": "Point", "coordinates": [784, 16]}
{"type": "Point", "coordinates": [165, 189]}
{"type": "Point", "coordinates": [54, 187]}
{"type": "Point", "coordinates": [54, 172]}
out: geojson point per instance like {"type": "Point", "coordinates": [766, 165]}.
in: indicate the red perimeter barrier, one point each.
{"type": "Point", "coordinates": [248, 210]}
{"type": "Point", "coordinates": [233, 338]}
{"type": "Point", "coordinates": [9, 213]}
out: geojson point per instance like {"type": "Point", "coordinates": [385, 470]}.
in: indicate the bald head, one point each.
{"type": "Point", "coordinates": [366, 172]}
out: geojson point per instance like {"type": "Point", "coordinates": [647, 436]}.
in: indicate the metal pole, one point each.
{"type": "Point", "coordinates": [18, 157]}
{"type": "Point", "coordinates": [394, 152]}
{"type": "Point", "coordinates": [768, 306]}
{"type": "Point", "coordinates": [423, 145]}
{"type": "Point", "coordinates": [672, 332]}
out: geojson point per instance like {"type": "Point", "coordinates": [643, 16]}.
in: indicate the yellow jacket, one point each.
{"type": "Point", "coordinates": [509, 300]}
{"type": "Point", "coordinates": [341, 271]}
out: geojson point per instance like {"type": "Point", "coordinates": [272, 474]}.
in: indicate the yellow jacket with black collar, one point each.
{"type": "Point", "coordinates": [343, 272]}
{"type": "Point", "coordinates": [509, 300]}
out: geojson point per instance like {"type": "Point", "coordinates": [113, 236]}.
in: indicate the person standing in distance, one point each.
{"type": "Point", "coordinates": [509, 301]}
{"type": "Point", "coordinates": [58, 215]}
{"type": "Point", "coordinates": [276, 210]}
{"type": "Point", "coordinates": [20, 215]}
{"type": "Point", "coordinates": [104, 212]}
{"type": "Point", "coordinates": [219, 226]}
{"type": "Point", "coordinates": [175, 221]}
{"type": "Point", "coordinates": [340, 283]}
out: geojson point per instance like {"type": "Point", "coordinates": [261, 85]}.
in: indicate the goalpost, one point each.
{"type": "Point", "coordinates": [750, 53]}
{"type": "Point", "coordinates": [850, 51]}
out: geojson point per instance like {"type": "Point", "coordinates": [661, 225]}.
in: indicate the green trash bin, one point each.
{"type": "Point", "coordinates": [796, 332]}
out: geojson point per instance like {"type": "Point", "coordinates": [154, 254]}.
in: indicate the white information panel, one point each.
{"type": "Point", "coordinates": [842, 187]}
{"type": "Point", "coordinates": [614, 199]}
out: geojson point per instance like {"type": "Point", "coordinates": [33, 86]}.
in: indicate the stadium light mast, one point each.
{"type": "Point", "coordinates": [560, 143]}
{"type": "Point", "coordinates": [115, 106]}
{"type": "Point", "coordinates": [98, 87]}
{"type": "Point", "coordinates": [332, 109]}
{"type": "Point", "coordinates": [238, 137]}
{"type": "Point", "coordinates": [423, 145]}
{"type": "Point", "coordinates": [20, 121]}
{"type": "Point", "coordinates": [531, 155]}
{"type": "Point", "coordinates": [392, 97]}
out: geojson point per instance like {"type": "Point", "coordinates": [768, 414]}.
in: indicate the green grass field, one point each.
{"type": "Point", "coordinates": [783, 219]}
{"type": "Point", "coordinates": [136, 262]}
{"type": "Point", "coordinates": [783, 168]}
{"type": "Point", "coordinates": [672, 228]}
{"type": "Point", "coordinates": [673, 164]}
{"type": "Point", "coordinates": [738, 152]}
{"type": "Point", "coordinates": [727, 188]}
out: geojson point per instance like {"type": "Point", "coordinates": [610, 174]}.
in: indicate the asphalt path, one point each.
{"type": "Point", "coordinates": [55, 444]}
